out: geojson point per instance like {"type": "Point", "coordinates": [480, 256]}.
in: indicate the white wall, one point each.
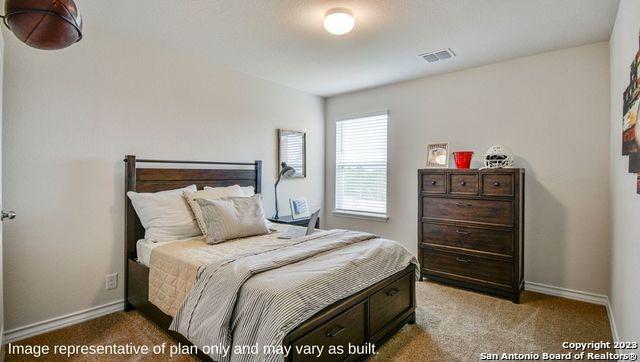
{"type": "Point", "coordinates": [70, 116]}
{"type": "Point", "coordinates": [549, 109]}
{"type": "Point", "coordinates": [625, 202]}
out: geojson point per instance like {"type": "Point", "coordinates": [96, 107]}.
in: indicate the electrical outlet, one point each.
{"type": "Point", "coordinates": [112, 281]}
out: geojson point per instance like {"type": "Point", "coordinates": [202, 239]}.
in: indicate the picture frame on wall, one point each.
{"type": "Point", "coordinates": [631, 118]}
{"type": "Point", "coordinates": [292, 149]}
{"type": "Point", "coordinates": [437, 155]}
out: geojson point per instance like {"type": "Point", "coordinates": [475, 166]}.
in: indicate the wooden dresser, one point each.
{"type": "Point", "coordinates": [471, 228]}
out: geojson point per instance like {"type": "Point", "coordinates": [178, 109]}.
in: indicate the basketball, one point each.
{"type": "Point", "coordinates": [44, 24]}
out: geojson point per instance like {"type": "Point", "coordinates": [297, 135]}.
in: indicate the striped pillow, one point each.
{"type": "Point", "coordinates": [209, 193]}
{"type": "Point", "coordinates": [232, 218]}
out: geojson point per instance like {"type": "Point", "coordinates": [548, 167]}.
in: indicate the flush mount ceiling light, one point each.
{"type": "Point", "coordinates": [339, 21]}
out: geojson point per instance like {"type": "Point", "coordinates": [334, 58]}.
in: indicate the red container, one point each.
{"type": "Point", "coordinates": [463, 159]}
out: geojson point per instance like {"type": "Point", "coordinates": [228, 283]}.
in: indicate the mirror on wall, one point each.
{"type": "Point", "coordinates": [292, 149]}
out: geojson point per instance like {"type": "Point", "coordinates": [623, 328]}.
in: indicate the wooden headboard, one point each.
{"type": "Point", "coordinates": [160, 179]}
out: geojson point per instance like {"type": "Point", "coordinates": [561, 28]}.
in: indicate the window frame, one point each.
{"type": "Point", "coordinates": [374, 216]}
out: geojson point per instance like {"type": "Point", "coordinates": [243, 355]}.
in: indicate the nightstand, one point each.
{"type": "Point", "coordinates": [287, 219]}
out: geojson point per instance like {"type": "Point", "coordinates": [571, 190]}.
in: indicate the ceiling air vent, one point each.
{"type": "Point", "coordinates": [443, 54]}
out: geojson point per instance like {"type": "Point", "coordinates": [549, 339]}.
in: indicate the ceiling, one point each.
{"type": "Point", "coordinates": [283, 41]}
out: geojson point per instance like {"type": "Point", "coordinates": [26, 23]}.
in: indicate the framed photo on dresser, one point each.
{"type": "Point", "coordinates": [437, 155]}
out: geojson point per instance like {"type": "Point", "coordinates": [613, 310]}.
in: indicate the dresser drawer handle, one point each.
{"type": "Point", "coordinates": [336, 331]}
{"type": "Point", "coordinates": [463, 232]}
{"type": "Point", "coordinates": [392, 292]}
{"type": "Point", "coordinates": [496, 184]}
{"type": "Point", "coordinates": [463, 183]}
{"type": "Point", "coordinates": [462, 204]}
{"type": "Point", "coordinates": [433, 182]}
{"type": "Point", "coordinates": [463, 260]}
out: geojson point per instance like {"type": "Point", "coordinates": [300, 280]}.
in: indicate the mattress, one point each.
{"type": "Point", "coordinates": [144, 248]}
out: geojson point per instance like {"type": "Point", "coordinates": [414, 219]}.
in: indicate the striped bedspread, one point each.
{"type": "Point", "coordinates": [254, 301]}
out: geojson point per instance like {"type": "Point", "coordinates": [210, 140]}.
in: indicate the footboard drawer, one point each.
{"type": "Point", "coordinates": [390, 302]}
{"type": "Point", "coordinates": [342, 330]}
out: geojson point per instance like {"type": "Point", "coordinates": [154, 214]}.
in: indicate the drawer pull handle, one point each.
{"type": "Point", "coordinates": [462, 204]}
{"type": "Point", "coordinates": [463, 260]}
{"type": "Point", "coordinates": [433, 182]}
{"type": "Point", "coordinates": [496, 184]}
{"type": "Point", "coordinates": [393, 292]}
{"type": "Point", "coordinates": [463, 183]}
{"type": "Point", "coordinates": [463, 232]}
{"type": "Point", "coordinates": [335, 332]}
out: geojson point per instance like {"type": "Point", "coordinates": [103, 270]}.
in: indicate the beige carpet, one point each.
{"type": "Point", "coordinates": [452, 325]}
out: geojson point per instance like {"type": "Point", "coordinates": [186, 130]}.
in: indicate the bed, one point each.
{"type": "Point", "coordinates": [369, 315]}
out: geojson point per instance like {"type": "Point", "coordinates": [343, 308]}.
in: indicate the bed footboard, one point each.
{"type": "Point", "coordinates": [365, 319]}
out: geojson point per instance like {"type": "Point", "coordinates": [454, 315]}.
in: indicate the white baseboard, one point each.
{"type": "Point", "coordinates": [600, 299]}
{"type": "Point", "coordinates": [612, 322]}
{"type": "Point", "coordinates": [30, 330]}
{"type": "Point", "coordinates": [588, 297]}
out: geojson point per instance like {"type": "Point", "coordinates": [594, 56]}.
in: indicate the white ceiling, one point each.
{"type": "Point", "coordinates": [283, 40]}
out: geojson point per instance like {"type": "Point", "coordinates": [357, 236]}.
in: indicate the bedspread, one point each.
{"type": "Point", "coordinates": [173, 267]}
{"type": "Point", "coordinates": [257, 298]}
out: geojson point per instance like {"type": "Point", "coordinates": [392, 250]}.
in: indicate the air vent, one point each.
{"type": "Point", "coordinates": [443, 54]}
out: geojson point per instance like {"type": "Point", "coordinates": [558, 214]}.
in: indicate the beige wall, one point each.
{"type": "Point", "coordinates": [72, 115]}
{"type": "Point", "coordinates": [550, 109]}
{"type": "Point", "coordinates": [625, 202]}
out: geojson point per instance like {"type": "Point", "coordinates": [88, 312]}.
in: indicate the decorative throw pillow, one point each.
{"type": "Point", "coordinates": [165, 215]}
{"type": "Point", "coordinates": [232, 218]}
{"type": "Point", "coordinates": [209, 193]}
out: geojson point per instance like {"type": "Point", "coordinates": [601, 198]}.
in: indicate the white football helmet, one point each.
{"type": "Point", "coordinates": [498, 156]}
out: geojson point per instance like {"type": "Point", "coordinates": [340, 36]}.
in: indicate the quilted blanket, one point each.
{"type": "Point", "coordinates": [255, 299]}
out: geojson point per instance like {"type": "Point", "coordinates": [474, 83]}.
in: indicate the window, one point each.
{"type": "Point", "coordinates": [361, 166]}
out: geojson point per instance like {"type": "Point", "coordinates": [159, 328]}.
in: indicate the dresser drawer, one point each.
{"type": "Point", "coordinates": [498, 212]}
{"type": "Point", "coordinates": [468, 268]}
{"type": "Point", "coordinates": [497, 184]}
{"type": "Point", "coordinates": [348, 327]}
{"type": "Point", "coordinates": [463, 183]}
{"type": "Point", "coordinates": [433, 183]}
{"type": "Point", "coordinates": [471, 238]}
{"type": "Point", "coordinates": [390, 302]}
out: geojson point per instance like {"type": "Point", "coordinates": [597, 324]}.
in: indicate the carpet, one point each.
{"type": "Point", "coordinates": [451, 325]}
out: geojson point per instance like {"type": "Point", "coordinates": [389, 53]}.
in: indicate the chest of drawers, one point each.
{"type": "Point", "coordinates": [471, 228]}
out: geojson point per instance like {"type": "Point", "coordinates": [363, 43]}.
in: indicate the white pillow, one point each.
{"type": "Point", "coordinates": [209, 193]}
{"type": "Point", "coordinates": [165, 215]}
{"type": "Point", "coordinates": [233, 217]}
{"type": "Point", "coordinates": [246, 190]}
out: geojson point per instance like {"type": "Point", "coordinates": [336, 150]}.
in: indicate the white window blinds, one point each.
{"type": "Point", "coordinates": [361, 165]}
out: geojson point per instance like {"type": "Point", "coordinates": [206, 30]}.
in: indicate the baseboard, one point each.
{"type": "Point", "coordinates": [599, 299]}
{"type": "Point", "coordinates": [588, 297]}
{"type": "Point", "coordinates": [612, 322]}
{"type": "Point", "coordinates": [30, 330]}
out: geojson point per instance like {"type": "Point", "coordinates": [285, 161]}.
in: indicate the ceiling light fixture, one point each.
{"type": "Point", "coordinates": [44, 24]}
{"type": "Point", "coordinates": [339, 21]}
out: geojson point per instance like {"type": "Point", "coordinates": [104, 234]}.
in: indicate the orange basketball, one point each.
{"type": "Point", "coordinates": [44, 24]}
